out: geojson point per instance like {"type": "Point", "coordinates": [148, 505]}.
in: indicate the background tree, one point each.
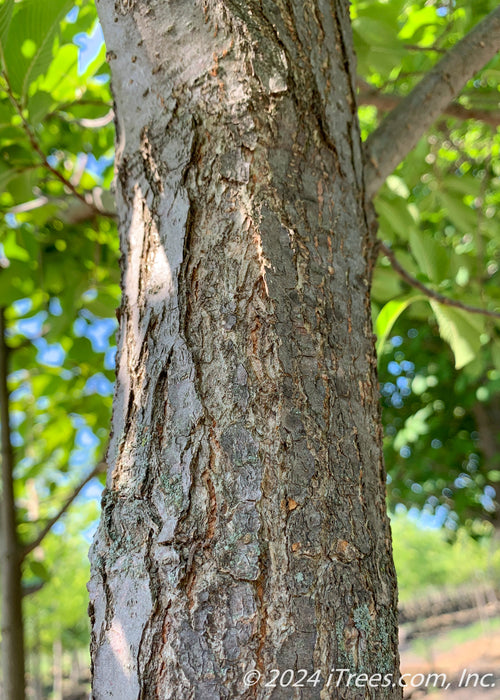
{"type": "Point", "coordinates": [437, 214]}
{"type": "Point", "coordinates": [57, 281]}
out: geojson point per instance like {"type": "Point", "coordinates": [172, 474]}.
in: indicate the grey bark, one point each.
{"type": "Point", "coordinates": [13, 662]}
{"type": "Point", "coordinates": [406, 124]}
{"type": "Point", "coordinates": [244, 522]}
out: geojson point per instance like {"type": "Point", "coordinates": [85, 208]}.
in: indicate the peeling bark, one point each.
{"type": "Point", "coordinates": [244, 522]}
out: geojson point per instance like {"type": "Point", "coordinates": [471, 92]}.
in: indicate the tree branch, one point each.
{"type": "Point", "coordinates": [72, 213]}
{"type": "Point", "coordinates": [50, 524]}
{"type": "Point", "coordinates": [401, 130]}
{"type": "Point", "coordinates": [84, 122]}
{"type": "Point", "coordinates": [416, 47]}
{"type": "Point", "coordinates": [388, 102]}
{"type": "Point", "coordinates": [414, 282]}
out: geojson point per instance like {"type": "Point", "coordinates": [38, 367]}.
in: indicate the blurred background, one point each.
{"type": "Point", "coordinates": [439, 367]}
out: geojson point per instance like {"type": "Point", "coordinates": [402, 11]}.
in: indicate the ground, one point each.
{"type": "Point", "coordinates": [475, 648]}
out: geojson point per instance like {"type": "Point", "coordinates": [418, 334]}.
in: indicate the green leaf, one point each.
{"type": "Point", "coordinates": [462, 216]}
{"type": "Point", "coordinates": [61, 79]}
{"type": "Point", "coordinates": [12, 250]}
{"type": "Point", "coordinates": [21, 186]}
{"type": "Point", "coordinates": [386, 284]}
{"type": "Point", "coordinates": [463, 185]}
{"type": "Point", "coordinates": [39, 105]}
{"type": "Point", "coordinates": [431, 257]}
{"type": "Point", "coordinates": [6, 175]}
{"type": "Point", "coordinates": [39, 570]}
{"type": "Point", "coordinates": [388, 317]}
{"type": "Point", "coordinates": [395, 218]}
{"type": "Point", "coordinates": [5, 18]}
{"type": "Point", "coordinates": [28, 48]}
{"type": "Point", "coordinates": [460, 330]}
{"type": "Point", "coordinates": [426, 17]}
{"type": "Point", "coordinates": [15, 282]}
{"type": "Point", "coordinates": [495, 353]}
{"type": "Point", "coordinates": [6, 113]}
{"type": "Point", "coordinates": [398, 186]}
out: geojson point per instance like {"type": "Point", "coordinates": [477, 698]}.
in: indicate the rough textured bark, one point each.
{"type": "Point", "coordinates": [12, 618]}
{"type": "Point", "coordinates": [244, 522]}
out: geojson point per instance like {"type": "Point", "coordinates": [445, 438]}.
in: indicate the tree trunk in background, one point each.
{"type": "Point", "coordinates": [244, 523]}
{"type": "Point", "coordinates": [488, 426]}
{"type": "Point", "coordinates": [57, 669]}
{"type": "Point", "coordinates": [76, 669]}
{"type": "Point", "coordinates": [12, 638]}
{"type": "Point", "coordinates": [35, 662]}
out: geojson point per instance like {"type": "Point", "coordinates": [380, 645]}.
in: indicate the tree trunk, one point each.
{"type": "Point", "coordinates": [244, 523]}
{"type": "Point", "coordinates": [57, 669]}
{"type": "Point", "coordinates": [76, 669]}
{"type": "Point", "coordinates": [488, 426]}
{"type": "Point", "coordinates": [32, 663]}
{"type": "Point", "coordinates": [36, 662]}
{"type": "Point", "coordinates": [12, 616]}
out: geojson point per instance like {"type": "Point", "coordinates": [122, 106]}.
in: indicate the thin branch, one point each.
{"type": "Point", "coordinates": [63, 106]}
{"type": "Point", "coordinates": [29, 206]}
{"type": "Point", "coordinates": [84, 122]}
{"type": "Point", "coordinates": [388, 102]}
{"type": "Point", "coordinates": [44, 162]}
{"type": "Point", "coordinates": [100, 467]}
{"type": "Point", "coordinates": [416, 47]}
{"type": "Point", "coordinates": [414, 282]}
{"type": "Point", "coordinates": [73, 213]}
{"type": "Point", "coordinates": [96, 123]}
{"type": "Point", "coordinates": [401, 130]}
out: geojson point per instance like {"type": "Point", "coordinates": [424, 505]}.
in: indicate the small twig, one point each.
{"type": "Point", "coordinates": [76, 212]}
{"type": "Point", "coordinates": [413, 282]}
{"type": "Point", "coordinates": [100, 467]}
{"type": "Point", "coordinates": [84, 122]}
{"type": "Point", "coordinates": [416, 47]}
{"type": "Point", "coordinates": [82, 101]}
{"type": "Point", "coordinates": [97, 123]}
{"type": "Point", "coordinates": [44, 162]}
